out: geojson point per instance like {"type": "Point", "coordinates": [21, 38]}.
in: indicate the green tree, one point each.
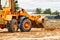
{"type": "Point", "coordinates": [16, 5]}
{"type": "Point", "coordinates": [55, 13]}
{"type": "Point", "coordinates": [47, 11]}
{"type": "Point", "coordinates": [38, 11]}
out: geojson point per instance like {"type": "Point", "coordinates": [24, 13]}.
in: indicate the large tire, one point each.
{"type": "Point", "coordinates": [25, 25]}
{"type": "Point", "coordinates": [13, 26]}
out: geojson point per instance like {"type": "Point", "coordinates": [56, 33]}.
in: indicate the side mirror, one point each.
{"type": "Point", "coordinates": [16, 1]}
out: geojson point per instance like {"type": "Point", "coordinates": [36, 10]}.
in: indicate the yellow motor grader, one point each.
{"type": "Point", "coordinates": [14, 20]}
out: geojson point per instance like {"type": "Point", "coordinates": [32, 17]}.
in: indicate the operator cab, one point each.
{"type": "Point", "coordinates": [7, 4]}
{"type": "Point", "coordinates": [0, 5]}
{"type": "Point", "coordinates": [4, 4]}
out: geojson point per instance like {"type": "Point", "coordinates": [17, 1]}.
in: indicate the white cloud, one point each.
{"type": "Point", "coordinates": [31, 4]}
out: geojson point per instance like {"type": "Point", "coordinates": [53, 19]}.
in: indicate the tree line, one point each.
{"type": "Point", "coordinates": [46, 11]}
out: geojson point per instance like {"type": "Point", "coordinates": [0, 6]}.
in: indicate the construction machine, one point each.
{"type": "Point", "coordinates": [13, 20]}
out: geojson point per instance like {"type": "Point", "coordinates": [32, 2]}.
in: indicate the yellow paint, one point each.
{"type": "Point", "coordinates": [8, 12]}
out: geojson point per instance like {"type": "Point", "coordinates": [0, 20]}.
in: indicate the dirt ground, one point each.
{"type": "Point", "coordinates": [34, 34]}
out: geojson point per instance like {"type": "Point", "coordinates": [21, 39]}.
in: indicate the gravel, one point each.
{"type": "Point", "coordinates": [52, 32]}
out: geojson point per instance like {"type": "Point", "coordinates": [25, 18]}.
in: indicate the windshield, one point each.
{"type": "Point", "coordinates": [5, 3]}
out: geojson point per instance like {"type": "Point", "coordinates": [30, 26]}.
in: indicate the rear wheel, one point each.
{"type": "Point", "coordinates": [25, 25]}
{"type": "Point", "coordinates": [13, 26]}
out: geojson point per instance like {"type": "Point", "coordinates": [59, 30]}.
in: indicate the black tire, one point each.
{"type": "Point", "coordinates": [22, 28]}
{"type": "Point", "coordinates": [11, 26]}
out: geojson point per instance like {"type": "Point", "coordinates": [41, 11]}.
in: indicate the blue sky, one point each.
{"type": "Point", "coordinates": [32, 4]}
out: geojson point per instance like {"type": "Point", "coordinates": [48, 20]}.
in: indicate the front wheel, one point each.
{"type": "Point", "coordinates": [25, 25]}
